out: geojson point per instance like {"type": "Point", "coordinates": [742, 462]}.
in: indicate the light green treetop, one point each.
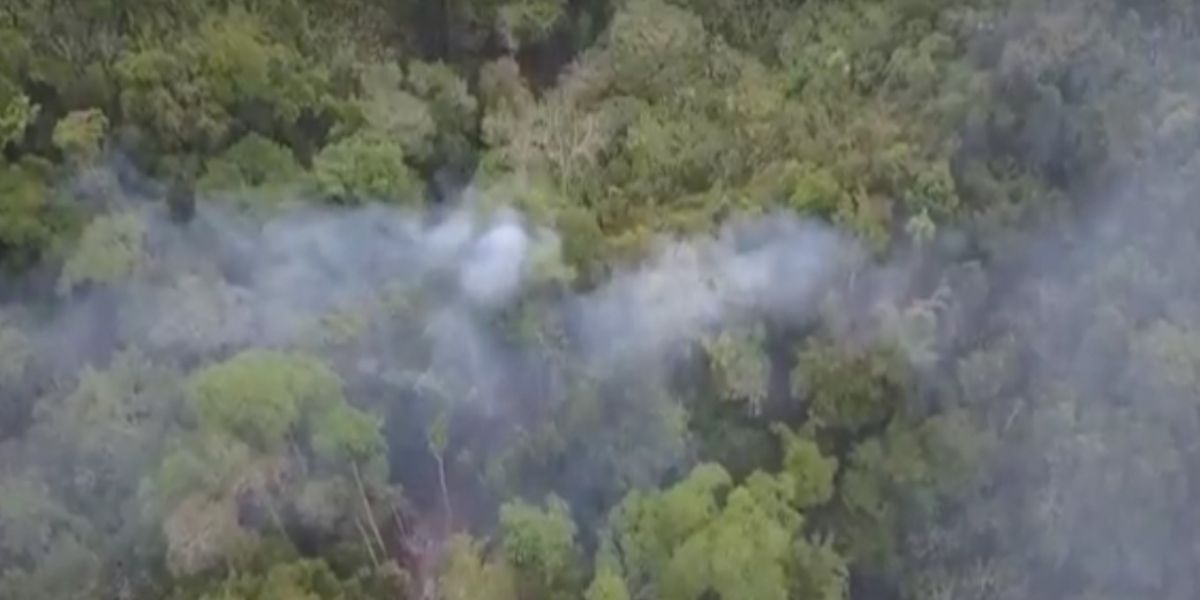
{"type": "Point", "coordinates": [108, 252]}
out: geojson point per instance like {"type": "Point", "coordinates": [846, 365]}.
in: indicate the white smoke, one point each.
{"type": "Point", "coordinates": [772, 267]}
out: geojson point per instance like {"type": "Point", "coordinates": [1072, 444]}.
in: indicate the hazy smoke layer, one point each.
{"type": "Point", "coordinates": [1096, 324]}
{"type": "Point", "coordinates": [771, 267]}
{"type": "Point", "coordinates": [221, 283]}
{"type": "Point", "coordinates": [465, 307]}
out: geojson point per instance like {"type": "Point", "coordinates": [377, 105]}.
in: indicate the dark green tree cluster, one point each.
{"type": "Point", "coordinates": [996, 400]}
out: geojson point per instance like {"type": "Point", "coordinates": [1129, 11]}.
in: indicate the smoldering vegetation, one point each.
{"type": "Point", "coordinates": [470, 311]}
{"type": "Point", "coordinates": [1080, 359]}
{"type": "Point", "coordinates": [467, 310]}
{"type": "Point", "coordinates": [223, 282]}
{"type": "Point", "coordinates": [1071, 358]}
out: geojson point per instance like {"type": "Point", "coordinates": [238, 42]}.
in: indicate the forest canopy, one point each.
{"type": "Point", "coordinates": [599, 299]}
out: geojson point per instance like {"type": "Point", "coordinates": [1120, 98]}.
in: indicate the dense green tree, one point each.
{"type": "Point", "coordinates": [17, 114]}
{"type": "Point", "coordinates": [540, 547]}
{"type": "Point", "coordinates": [302, 579]}
{"type": "Point", "coordinates": [252, 163]}
{"type": "Point", "coordinates": [44, 543]}
{"type": "Point", "coordinates": [849, 393]}
{"type": "Point", "coordinates": [109, 252]}
{"type": "Point", "coordinates": [32, 222]}
{"type": "Point", "coordinates": [80, 134]}
{"type": "Point", "coordinates": [391, 112]}
{"type": "Point", "coordinates": [365, 167]}
{"type": "Point", "coordinates": [467, 576]}
{"type": "Point", "coordinates": [739, 368]}
{"type": "Point", "coordinates": [271, 426]}
{"type": "Point", "coordinates": [706, 536]}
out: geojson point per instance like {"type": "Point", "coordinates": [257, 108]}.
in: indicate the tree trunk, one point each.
{"type": "Point", "coordinates": [367, 542]}
{"type": "Point", "coordinates": [362, 494]}
{"type": "Point", "coordinates": [447, 515]}
{"type": "Point", "coordinates": [278, 521]}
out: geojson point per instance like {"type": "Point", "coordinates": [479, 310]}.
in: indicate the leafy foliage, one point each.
{"type": "Point", "coordinates": [80, 134]}
{"type": "Point", "coordinates": [365, 167]}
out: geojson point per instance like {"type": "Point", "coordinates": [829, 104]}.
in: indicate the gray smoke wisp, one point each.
{"type": "Point", "coordinates": [273, 282]}
{"type": "Point", "coordinates": [223, 283]}
{"type": "Point", "coordinates": [773, 267]}
{"type": "Point", "coordinates": [416, 307]}
{"type": "Point", "coordinates": [431, 305]}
